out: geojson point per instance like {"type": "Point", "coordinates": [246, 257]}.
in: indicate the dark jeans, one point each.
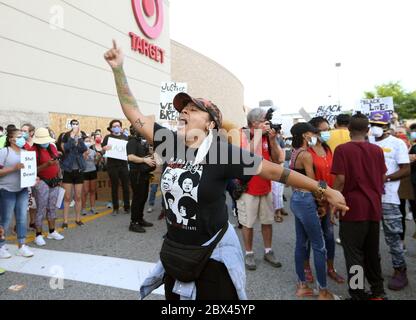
{"type": "Point", "coordinates": [214, 283]}
{"type": "Point", "coordinates": [117, 174]}
{"type": "Point", "coordinates": [361, 243]}
{"type": "Point", "coordinates": [140, 186]}
{"type": "Point", "coordinates": [403, 211]}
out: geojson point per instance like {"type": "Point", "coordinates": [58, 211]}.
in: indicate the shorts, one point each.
{"type": "Point", "coordinates": [89, 176]}
{"type": "Point", "coordinates": [74, 177]}
{"type": "Point", "coordinates": [252, 207]}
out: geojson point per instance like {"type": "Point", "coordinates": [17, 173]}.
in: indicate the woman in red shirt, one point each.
{"type": "Point", "coordinates": [322, 163]}
{"type": "Point", "coordinates": [46, 191]}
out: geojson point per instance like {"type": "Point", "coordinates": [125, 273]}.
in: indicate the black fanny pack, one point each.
{"type": "Point", "coordinates": [52, 183]}
{"type": "Point", "coordinates": [185, 262]}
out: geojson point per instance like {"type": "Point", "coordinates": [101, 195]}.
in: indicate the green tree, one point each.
{"type": "Point", "coordinates": [404, 102]}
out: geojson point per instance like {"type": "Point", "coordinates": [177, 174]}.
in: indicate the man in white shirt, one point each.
{"type": "Point", "coordinates": [398, 166]}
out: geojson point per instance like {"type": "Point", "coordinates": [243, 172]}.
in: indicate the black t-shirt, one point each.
{"type": "Point", "coordinates": [194, 194]}
{"type": "Point", "coordinates": [413, 165]}
{"type": "Point", "coordinates": [139, 148]}
{"type": "Point", "coordinates": [110, 161]}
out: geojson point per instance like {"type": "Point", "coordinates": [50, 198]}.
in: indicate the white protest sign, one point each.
{"type": "Point", "coordinates": [118, 149]}
{"type": "Point", "coordinates": [29, 173]}
{"type": "Point", "coordinates": [367, 106]}
{"type": "Point", "coordinates": [60, 198]}
{"type": "Point", "coordinates": [330, 113]}
{"type": "Point", "coordinates": [168, 91]}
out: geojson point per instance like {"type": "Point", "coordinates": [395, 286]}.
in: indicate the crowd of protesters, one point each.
{"type": "Point", "coordinates": [369, 161]}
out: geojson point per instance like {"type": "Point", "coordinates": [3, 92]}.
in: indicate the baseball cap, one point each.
{"type": "Point", "coordinates": [380, 117]}
{"type": "Point", "coordinates": [301, 128]}
{"type": "Point", "coordinates": [182, 99]}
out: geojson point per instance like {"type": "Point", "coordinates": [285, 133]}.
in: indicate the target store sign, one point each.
{"type": "Point", "coordinates": [153, 10]}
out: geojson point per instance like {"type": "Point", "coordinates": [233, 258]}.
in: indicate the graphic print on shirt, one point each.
{"type": "Point", "coordinates": [179, 184]}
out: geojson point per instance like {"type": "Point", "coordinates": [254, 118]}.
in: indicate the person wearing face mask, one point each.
{"type": "Point", "coordinates": [304, 206]}
{"type": "Point", "coordinates": [73, 165]}
{"type": "Point", "coordinates": [28, 131]}
{"type": "Point", "coordinates": [322, 158]}
{"type": "Point", "coordinates": [398, 166]}
{"type": "Point", "coordinates": [117, 169]}
{"type": "Point", "coordinates": [46, 191]}
{"type": "Point", "coordinates": [90, 178]}
{"type": "Point", "coordinates": [13, 198]}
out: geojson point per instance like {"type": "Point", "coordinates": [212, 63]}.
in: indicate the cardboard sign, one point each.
{"type": "Point", "coordinates": [29, 173]}
{"type": "Point", "coordinates": [168, 91]}
{"type": "Point", "coordinates": [118, 149]}
{"type": "Point", "coordinates": [367, 106]}
{"type": "Point", "coordinates": [330, 113]}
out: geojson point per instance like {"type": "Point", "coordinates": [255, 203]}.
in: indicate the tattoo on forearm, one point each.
{"type": "Point", "coordinates": [284, 176]}
{"type": "Point", "coordinates": [139, 123]}
{"type": "Point", "coordinates": [126, 97]}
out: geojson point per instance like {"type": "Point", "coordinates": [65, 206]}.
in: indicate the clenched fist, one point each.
{"type": "Point", "coordinates": [114, 56]}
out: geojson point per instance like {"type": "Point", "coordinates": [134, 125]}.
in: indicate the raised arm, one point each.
{"type": "Point", "coordinates": [143, 124]}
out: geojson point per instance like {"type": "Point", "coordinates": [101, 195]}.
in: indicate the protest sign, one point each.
{"type": "Point", "coordinates": [367, 106]}
{"type": "Point", "coordinates": [168, 91]}
{"type": "Point", "coordinates": [118, 149]}
{"type": "Point", "coordinates": [330, 113]}
{"type": "Point", "coordinates": [29, 173]}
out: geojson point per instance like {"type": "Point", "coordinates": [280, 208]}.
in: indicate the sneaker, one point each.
{"type": "Point", "coordinates": [109, 205]}
{"type": "Point", "coordinates": [93, 211]}
{"type": "Point", "coordinates": [79, 223]}
{"type": "Point", "coordinates": [55, 236]}
{"type": "Point", "coordinates": [136, 227]}
{"type": "Point", "coordinates": [64, 225]}
{"type": "Point", "coordinates": [72, 204]}
{"type": "Point", "coordinates": [250, 262]}
{"type": "Point", "coordinates": [4, 254]}
{"type": "Point", "coordinates": [270, 258]}
{"type": "Point", "coordinates": [399, 280]}
{"type": "Point", "coordinates": [150, 209]}
{"type": "Point", "coordinates": [338, 241]}
{"type": "Point", "coordinates": [39, 241]}
{"type": "Point", "coordinates": [84, 212]}
{"type": "Point", "coordinates": [145, 224]}
{"type": "Point", "coordinates": [25, 251]}
{"type": "Point", "coordinates": [115, 213]}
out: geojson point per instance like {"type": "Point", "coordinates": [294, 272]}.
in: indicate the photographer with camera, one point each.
{"type": "Point", "coordinates": [256, 201]}
{"type": "Point", "coordinates": [141, 164]}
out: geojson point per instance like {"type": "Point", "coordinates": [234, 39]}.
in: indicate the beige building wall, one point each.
{"type": "Point", "coordinates": [62, 70]}
{"type": "Point", "coordinates": [49, 75]}
{"type": "Point", "coordinates": [207, 79]}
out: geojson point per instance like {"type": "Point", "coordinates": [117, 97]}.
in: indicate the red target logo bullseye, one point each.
{"type": "Point", "coordinates": [150, 8]}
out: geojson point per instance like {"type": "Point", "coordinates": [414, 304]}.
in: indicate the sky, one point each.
{"type": "Point", "coordinates": [286, 51]}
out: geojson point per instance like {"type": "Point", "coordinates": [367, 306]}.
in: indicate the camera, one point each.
{"type": "Point", "coordinates": [275, 126]}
